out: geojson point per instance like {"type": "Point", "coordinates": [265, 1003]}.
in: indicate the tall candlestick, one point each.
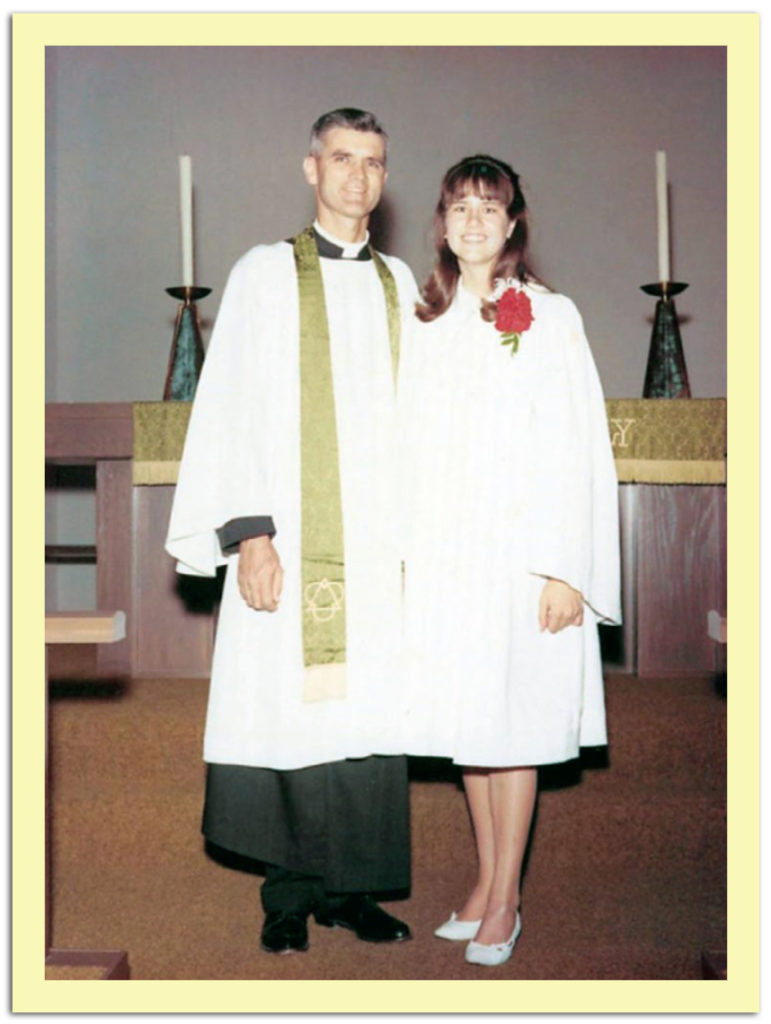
{"type": "Point", "coordinates": [663, 214]}
{"type": "Point", "coordinates": [186, 218]}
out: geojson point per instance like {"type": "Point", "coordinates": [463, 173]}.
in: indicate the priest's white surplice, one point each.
{"type": "Point", "coordinates": [242, 459]}
{"type": "Point", "coordinates": [508, 478]}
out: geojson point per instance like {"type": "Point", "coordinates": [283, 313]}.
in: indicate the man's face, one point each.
{"type": "Point", "coordinates": [348, 176]}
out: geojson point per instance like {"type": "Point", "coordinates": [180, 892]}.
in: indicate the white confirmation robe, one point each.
{"type": "Point", "coordinates": [242, 459]}
{"type": "Point", "coordinates": [508, 478]}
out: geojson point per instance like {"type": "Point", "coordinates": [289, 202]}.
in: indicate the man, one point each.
{"type": "Point", "coordinates": [292, 436]}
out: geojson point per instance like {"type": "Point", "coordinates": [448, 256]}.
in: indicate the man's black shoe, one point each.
{"type": "Point", "coordinates": [364, 917]}
{"type": "Point", "coordinates": [284, 933]}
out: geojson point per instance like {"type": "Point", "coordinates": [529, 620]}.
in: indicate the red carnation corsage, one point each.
{"type": "Point", "coordinates": [513, 317]}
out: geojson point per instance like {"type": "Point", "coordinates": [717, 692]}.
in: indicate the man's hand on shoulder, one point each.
{"type": "Point", "coordinates": [560, 606]}
{"type": "Point", "coordinates": [260, 576]}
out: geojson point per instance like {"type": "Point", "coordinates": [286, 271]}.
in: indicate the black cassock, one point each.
{"type": "Point", "coordinates": [346, 822]}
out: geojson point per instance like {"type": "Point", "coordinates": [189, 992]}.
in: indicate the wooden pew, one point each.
{"type": "Point", "coordinates": [714, 962]}
{"type": "Point", "coordinates": [93, 627]}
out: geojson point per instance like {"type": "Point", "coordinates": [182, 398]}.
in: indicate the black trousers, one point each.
{"type": "Point", "coordinates": [342, 827]}
{"type": "Point", "coordinates": [291, 892]}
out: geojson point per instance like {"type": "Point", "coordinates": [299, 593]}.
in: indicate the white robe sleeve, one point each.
{"type": "Point", "coordinates": [221, 475]}
{"type": "Point", "coordinates": [407, 289]}
{"type": "Point", "coordinates": [572, 513]}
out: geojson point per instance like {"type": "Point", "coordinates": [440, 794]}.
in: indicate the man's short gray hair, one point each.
{"type": "Point", "coordinates": [346, 117]}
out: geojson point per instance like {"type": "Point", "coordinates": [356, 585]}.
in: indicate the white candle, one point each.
{"type": "Point", "coordinates": [186, 218]}
{"type": "Point", "coordinates": [663, 214]}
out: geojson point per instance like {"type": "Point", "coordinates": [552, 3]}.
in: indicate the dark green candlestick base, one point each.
{"type": "Point", "coordinates": [666, 375]}
{"type": "Point", "coordinates": [186, 357]}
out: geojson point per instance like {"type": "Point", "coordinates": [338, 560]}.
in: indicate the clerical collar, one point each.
{"type": "Point", "coordinates": [335, 249]}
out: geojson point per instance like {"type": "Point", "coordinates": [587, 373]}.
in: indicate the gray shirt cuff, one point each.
{"type": "Point", "coordinates": [235, 530]}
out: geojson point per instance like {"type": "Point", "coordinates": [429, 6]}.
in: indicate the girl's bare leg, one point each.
{"type": "Point", "coordinates": [511, 797]}
{"type": "Point", "coordinates": [475, 782]}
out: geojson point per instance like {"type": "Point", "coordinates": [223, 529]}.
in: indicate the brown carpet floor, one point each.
{"type": "Point", "coordinates": [625, 877]}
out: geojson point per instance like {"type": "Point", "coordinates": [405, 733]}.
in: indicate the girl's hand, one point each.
{"type": "Point", "coordinates": [560, 606]}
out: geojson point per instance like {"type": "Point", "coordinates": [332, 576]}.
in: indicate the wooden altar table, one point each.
{"type": "Point", "coordinates": [670, 460]}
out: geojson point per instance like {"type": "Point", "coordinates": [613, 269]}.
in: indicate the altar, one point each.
{"type": "Point", "coordinates": [671, 464]}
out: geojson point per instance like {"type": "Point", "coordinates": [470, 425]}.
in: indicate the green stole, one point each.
{"type": "Point", "coordinates": [323, 563]}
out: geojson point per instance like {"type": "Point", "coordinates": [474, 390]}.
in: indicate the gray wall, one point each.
{"type": "Point", "coordinates": [581, 125]}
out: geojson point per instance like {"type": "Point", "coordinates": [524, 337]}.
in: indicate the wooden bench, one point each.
{"type": "Point", "coordinates": [714, 963]}
{"type": "Point", "coordinates": [93, 627]}
{"type": "Point", "coordinates": [717, 627]}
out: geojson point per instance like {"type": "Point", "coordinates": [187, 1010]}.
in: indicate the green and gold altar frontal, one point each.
{"type": "Point", "coordinates": [655, 440]}
{"type": "Point", "coordinates": [668, 440]}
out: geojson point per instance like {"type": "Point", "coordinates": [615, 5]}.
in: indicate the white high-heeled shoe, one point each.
{"type": "Point", "coordinates": [492, 956]}
{"type": "Point", "coordinates": [457, 931]}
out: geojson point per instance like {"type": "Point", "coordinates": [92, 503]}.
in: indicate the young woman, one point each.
{"type": "Point", "coordinates": [511, 549]}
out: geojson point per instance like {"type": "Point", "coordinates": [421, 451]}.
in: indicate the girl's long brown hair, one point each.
{"type": "Point", "coordinates": [488, 178]}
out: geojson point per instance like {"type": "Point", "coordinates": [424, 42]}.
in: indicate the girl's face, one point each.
{"type": "Point", "coordinates": [476, 230]}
